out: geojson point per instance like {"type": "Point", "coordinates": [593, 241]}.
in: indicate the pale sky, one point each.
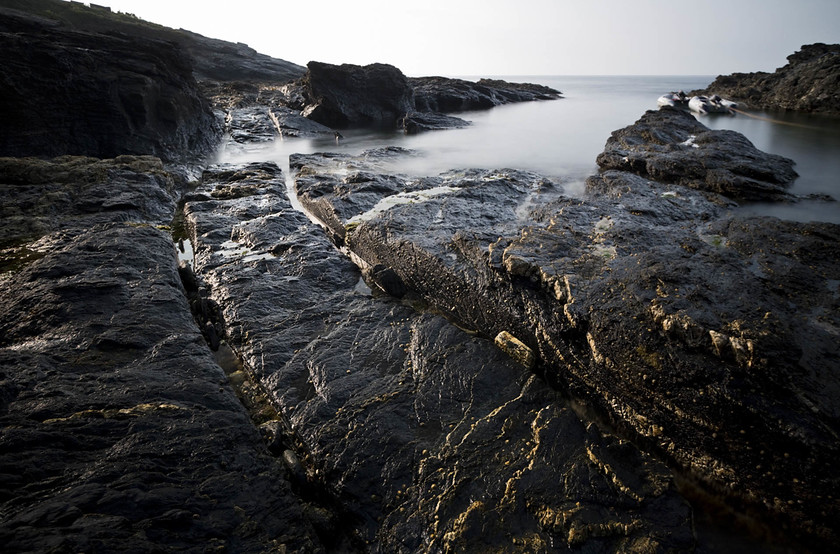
{"type": "Point", "coordinates": [513, 37]}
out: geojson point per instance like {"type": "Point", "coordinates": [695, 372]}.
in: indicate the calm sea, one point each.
{"type": "Point", "coordinates": [562, 138]}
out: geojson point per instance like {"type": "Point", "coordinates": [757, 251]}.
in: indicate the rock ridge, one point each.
{"type": "Point", "coordinates": [808, 83]}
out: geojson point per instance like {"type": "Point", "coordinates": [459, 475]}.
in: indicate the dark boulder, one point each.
{"type": "Point", "coordinates": [69, 92]}
{"type": "Point", "coordinates": [808, 83]}
{"type": "Point", "coordinates": [347, 95]}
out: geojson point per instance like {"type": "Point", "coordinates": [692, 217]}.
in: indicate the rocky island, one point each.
{"type": "Point", "coordinates": [465, 362]}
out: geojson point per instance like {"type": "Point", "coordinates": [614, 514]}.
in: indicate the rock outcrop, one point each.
{"type": "Point", "coordinates": [211, 59]}
{"type": "Point", "coordinates": [379, 95]}
{"type": "Point", "coordinates": [429, 438]}
{"type": "Point", "coordinates": [671, 146]}
{"type": "Point", "coordinates": [347, 95]}
{"type": "Point", "coordinates": [443, 94]}
{"type": "Point", "coordinates": [808, 83]}
{"type": "Point", "coordinates": [70, 92]}
{"type": "Point", "coordinates": [705, 336]}
{"type": "Point", "coordinates": [120, 431]}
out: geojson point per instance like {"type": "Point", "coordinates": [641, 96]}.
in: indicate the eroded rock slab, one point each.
{"type": "Point", "coordinates": [696, 331]}
{"type": "Point", "coordinates": [671, 146]}
{"type": "Point", "coordinates": [430, 438]}
{"type": "Point", "coordinates": [120, 432]}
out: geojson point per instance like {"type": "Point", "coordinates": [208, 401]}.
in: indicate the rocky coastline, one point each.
{"type": "Point", "coordinates": [465, 362]}
{"type": "Point", "coordinates": [807, 83]}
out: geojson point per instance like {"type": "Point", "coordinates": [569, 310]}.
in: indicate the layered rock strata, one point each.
{"type": "Point", "coordinates": [706, 336]}
{"type": "Point", "coordinates": [430, 438]}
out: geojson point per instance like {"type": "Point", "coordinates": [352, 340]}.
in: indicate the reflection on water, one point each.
{"type": "Point", "coordinates": [561, 138]}
{"type": "Point", "coordinates": [812, 141]}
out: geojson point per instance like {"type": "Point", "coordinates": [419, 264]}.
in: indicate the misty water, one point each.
{"type": "Point", "coordinates": [561, 138]}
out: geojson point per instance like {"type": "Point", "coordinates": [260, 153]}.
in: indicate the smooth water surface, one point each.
{"type": "Point", "coordinates": [561, 138]}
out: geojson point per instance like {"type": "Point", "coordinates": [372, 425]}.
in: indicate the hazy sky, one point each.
{"type": "Point", "coordinates": [513, 37]}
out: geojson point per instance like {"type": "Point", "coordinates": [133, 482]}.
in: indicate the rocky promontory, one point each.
{"type": "Point", "coordinates": [808, 83]}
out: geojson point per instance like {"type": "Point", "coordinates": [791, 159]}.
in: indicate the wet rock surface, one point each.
{"type": "Point", "coordinates": [41, 196]}
{"type": "Point", "coordinates": [120, 431]}
{"type": "Point", "coordinates": [807, 83]}
{"type": "Point", "coordinates": [671, 146]}
{"type": "Point", "coordinates": [64, 91]}
{"type": "Point", "coordinates": [429, 438]}
{"type": "Point", "coordinates": [697, 332]}
{"type": "Point", "coordinates": [518, 371]}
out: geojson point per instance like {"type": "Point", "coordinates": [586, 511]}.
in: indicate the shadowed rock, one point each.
{"type": "Point", "coordinates": [69, 92]}
{"type": "Point", "coordinates": [120, 431]}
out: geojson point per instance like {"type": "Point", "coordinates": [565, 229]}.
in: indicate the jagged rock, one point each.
{"type": "Point", "coordinates": [69, 92]}
{"type": "Point", "coordinates": [671, 146]}
{"type": "Point", "coordinates": [429, 438]}
{"type": "Point", "coordinates": [442, 94]}
{"type": "Point", "coordinates": [808, 83]}
{"type": "Point", "coordinates": [120, 430]}
{"type": "Point", "coordinates": [698, 332]}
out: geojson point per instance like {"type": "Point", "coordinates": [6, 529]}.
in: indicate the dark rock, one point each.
{"type": "Point", "coordinates": [442, 94]}
{"type": "Point", "coordinates": [251, 124]}
{"type": "Point", "coordinates": [118, 427]}
{"type": "Point", "coordinates": [219, 60]}
{"type": "Point", "coordinates": [347, 95]}
{"type": "Point", "coordinates": [671, 146]}
{"type": "Point", "coordinates": [211, 59]}
{"type": "Point", "coordinates": [417, 122]}
{"type": "Point", "coordinates": [292, 124]}
{"type": "Point", "coordinates": [70, 92]}
{"type": "Point", "coordinates": [429, 438]}
{"type": "Point", "coordinates": [808, 83]}
{"type": "Point", "coordinates": [76, 192]}
{"type": "Point", "coordinates": [322, 177]}
{"type": "Point", "coordinates": [379, 95]}
{"type": "Point", "coordinates": [699, 333]}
